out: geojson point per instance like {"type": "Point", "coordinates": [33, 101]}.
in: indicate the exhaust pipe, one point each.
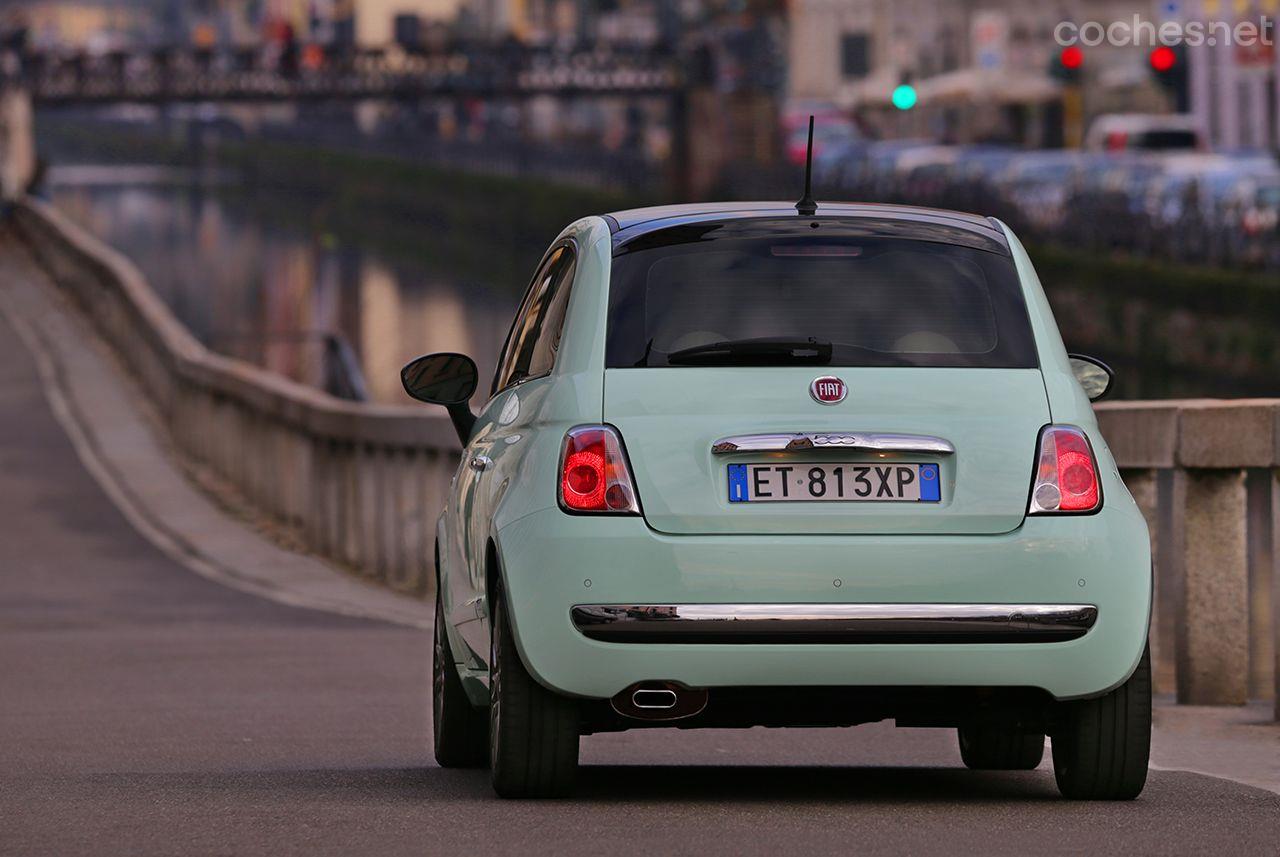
{"type": "Point", "coordinates": [659, 700]}
{"type": "Point", "coordinates": [654, 699]}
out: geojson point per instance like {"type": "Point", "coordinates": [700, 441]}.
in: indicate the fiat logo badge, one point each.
{"type": "Point", "coordinates": [828, 390]}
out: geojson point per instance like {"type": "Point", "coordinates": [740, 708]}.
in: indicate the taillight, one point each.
{"type": "Point", "coordinates": [1066, 473]}
{"type": "Point", "coordinates": [594, 476]}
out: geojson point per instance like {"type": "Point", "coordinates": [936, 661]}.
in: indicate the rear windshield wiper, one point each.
{"type": "Point", "coordinates": [781, 351]}
{"type": "Point", "coordinates": [768, 350]}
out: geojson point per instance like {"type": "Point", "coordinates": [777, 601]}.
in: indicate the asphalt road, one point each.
{"type": "Point", "coordinates": [146, 710]}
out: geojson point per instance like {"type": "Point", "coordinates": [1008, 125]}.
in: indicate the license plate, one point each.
{"type": "Point", "coordinates": [797, 481]}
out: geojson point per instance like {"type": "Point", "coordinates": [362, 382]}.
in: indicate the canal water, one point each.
{"type": "Point", "coordinates": [261, 279]}
{"type": "Point", "coordinates": [264, 286]}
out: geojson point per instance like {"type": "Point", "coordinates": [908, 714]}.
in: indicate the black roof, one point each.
{"type": "Point", "coordinates": [634, 222]}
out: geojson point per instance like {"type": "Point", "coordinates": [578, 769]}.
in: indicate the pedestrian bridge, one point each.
{"type": "Point", "coordinates": [172, 74]}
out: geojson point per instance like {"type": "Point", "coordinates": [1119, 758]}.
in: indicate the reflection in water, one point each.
{"type": "Point", "coordinates": [308, 306]}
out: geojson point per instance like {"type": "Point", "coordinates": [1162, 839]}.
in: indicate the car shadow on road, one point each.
{"type": "Point", "coordinates": [796, 784]}
{"type": "Point", "coordinates": [811, 784]}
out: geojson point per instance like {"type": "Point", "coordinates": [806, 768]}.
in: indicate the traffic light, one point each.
{"type": "Point", "coordinates": [1067, 66]}
{"type": "Point", "coordinates": [1169, 65]}
{"type": "Point", "coordinates": [904, 96]}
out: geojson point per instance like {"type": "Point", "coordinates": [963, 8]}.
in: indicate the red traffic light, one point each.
{"type": "Point", "coordinates": [1163, 58]}
{"type": "Point", "coordinates": [1071, 57]}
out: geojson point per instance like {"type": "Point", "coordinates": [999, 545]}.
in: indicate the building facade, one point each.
{"type": "Point", "coordinates": [1235, 88]}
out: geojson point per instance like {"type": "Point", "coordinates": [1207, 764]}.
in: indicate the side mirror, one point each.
{"type": "Point", "coordinates": [1094, 376]}
{"type": "Point", "coordinates": [445, 379]}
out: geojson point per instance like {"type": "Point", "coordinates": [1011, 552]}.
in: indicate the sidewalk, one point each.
{"type": "Point", "coordinates": [1236, 743]}
{"type": "Point", "coordinates": [105, 416]}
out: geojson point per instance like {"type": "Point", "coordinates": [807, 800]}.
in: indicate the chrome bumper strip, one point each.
{"type": "Point", "coordinates": [834, 623]}
{"type": "Point", "coordinates": [805, 440]}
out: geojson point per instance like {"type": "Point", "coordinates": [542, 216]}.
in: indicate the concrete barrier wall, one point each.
{"type": "Point", "coordinates": [356, 483]}
{"type": "Point", "coordinates": [1205, 473]}
{"type": "Point", "coordinates": [363, 484]}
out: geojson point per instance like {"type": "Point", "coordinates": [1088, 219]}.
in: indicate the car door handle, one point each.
{"type": "Point", "coordinates": [480, 462]}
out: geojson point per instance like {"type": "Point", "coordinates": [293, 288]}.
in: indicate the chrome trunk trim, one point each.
{"type": "Point", "coordinates": [834, 623]}
{"type": "Point", "coordinates": [806, 440]}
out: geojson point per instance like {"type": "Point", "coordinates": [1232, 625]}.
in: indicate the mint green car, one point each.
{"type": "Point", "coordinates": [743, 467]}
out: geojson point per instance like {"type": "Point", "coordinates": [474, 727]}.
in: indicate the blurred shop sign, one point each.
{"type": "Point", "coordinates": [1256, 55]}
{"type": "Point", "coordinates": [989, 35]}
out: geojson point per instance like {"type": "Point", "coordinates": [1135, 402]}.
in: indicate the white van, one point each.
{"type": "Point", "coordinates": [1150, 132]}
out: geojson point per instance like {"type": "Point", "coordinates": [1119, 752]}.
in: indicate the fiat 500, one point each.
{"type": "Point", "coordinates": [741, 467]}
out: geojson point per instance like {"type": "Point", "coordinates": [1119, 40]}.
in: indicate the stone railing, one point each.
{"type": "Point", "coordinates": [363, 484]}
{"type": "Point", "coordinates": [1204, 472]}
{"type": "Point", "coordinates": [359, 484]}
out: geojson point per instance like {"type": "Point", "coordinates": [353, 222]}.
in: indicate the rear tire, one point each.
{"type": "Point", "coordinates": [1101, 747]}
{"type": "Point", "coordinates": [460, 731]}
{"type": "Point", "coordinates": [533, 733]}
{"type": "Point", "coordinates": [988, 747]}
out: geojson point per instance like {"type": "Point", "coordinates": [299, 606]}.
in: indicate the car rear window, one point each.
{"type": "Point", "coordinates": [878, 300]}
{"type": "Point", "coordinates": [1171, 138]}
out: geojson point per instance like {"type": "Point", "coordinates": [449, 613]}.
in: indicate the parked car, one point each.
{"type": "Point", "coordinates": [1169, 204]}
{"type": "Point", "coordinates": [982, 162]}
{"type": "Point", "coordinates": [923, 173]}
{"type": "Point", "coordinates": [1104, 206]}
{"type": "Point", "coordinates": [829, 132]}
{"type": "Point", "coordinates": [873, 176]}
{"type": "Point", "coordinates": [1252, 221]}
{"type": "Point", "coordinates": [836, 163]}
{"type": "Point", "coordinates": [1037, 183]}
{"type": "Point", "coordinates": [740, 466]}
{"type": "Point", "coordinates": [1189, 201]}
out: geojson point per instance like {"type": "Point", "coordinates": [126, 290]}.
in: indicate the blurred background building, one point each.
{"type": "Point", "coordinates": [993, 69]}
{"type": "Point", "coordinates": [981, 69]}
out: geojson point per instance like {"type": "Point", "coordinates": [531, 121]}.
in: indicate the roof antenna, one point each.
{"type": "Point", "coordinates": [806, 206]}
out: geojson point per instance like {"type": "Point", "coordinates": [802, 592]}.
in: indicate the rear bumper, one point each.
{"type": "Point", "coordinates": [553, 562]}
{"type": "Point", "coordinates": [806, 624]}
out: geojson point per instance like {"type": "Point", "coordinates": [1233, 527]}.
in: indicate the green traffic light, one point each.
{"type": "Point", "coordinates": [904, 97]}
